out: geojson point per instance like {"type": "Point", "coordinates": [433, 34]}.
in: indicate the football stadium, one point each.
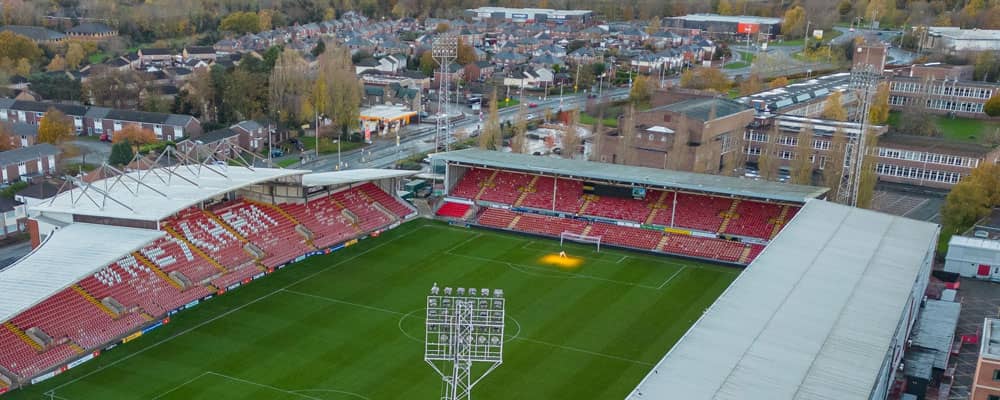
{"type": "Point", "coordinates": [207, 281]}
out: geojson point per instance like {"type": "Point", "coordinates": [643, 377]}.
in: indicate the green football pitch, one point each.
{"type": "Point", "coordinates": [349, 325]}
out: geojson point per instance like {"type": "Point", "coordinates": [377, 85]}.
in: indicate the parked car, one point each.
{"type": "Point", "coordinates": [532, 105]}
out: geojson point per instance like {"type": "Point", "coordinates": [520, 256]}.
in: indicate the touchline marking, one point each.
{"type": "Point", "coordinates": [224, 314]}
{"type": "Point", "coordinates": [185, 383]}
{"type": "Point", "coordinates": [332, 391]}
{"type": "Point", "coordinates": [277, 389]}
{"type": "Point", "coordinates": [333, 300]}
{"type": "Point", "coordinates": [621, 259]}
{"type": "Point", "coordinates": [671, 277]}
{"type": "Point", "coordinates": [579, 350]}
{"type": "Point", "coordinates": [478, 235]}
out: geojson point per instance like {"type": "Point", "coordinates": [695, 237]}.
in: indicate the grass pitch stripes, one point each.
{"type": "Point", "coordinates": [349, 325]}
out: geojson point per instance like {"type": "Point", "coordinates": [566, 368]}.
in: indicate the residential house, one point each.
{"type": "Point", "coordinates": [36, 33]}
{"type": "Point", "coordinates": [24, 162]}
{"type": "Point", "coordinates": [530, 78]}
{"type": "Point", "coordinates": [93, 31]}
{"type": "Point", "coordinates": [155, 56]}
{"type": "Point", "coordinates": [13, 218]}
{"type": "Point", "coordinates": [203, 53]}
{"type": "Point", "coordinates": [455, 73]}
{"type": "Point", "coordinates": [583, 55]}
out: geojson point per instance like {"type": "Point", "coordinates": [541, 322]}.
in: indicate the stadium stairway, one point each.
{"type": "Point", "coordinates": [97, 303]}
{"type": "Point", "coordinates": [728, 215]}
{"type": "Point", "coordinates": [526, 190]}
{"type": "Point", "coordinates": [291, 218]}
{"type": "Point", "coordinates": [586, 203]}
{"type": "Point", "coordinates": [76, 348]}
{"type": "Point", "coordinates": [23, 336]}
{"type": "Point", "coordinates": [514, 222]}
{"type": "Point", "coordinates": [745, 256]}
{"type": "Point", "coordinates": [156, 270]}
{"type": "Point", "coordinates": [197, 250]}
{"type": "Point", "coordinates": [225, 225]}
{"type": "Point", "coordinates": [663, 243]}
{"type": "Point", "coordinates": [779, 222]}
{"type": "Point", "coordinates": [655, 208]}
{"type": "Point", "coordinates": [488, 183]}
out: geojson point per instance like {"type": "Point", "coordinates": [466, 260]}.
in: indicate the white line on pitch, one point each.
{"type": "Point", "coordinates": [262, 385]}
{"type": "Point", "coordinates": [233, 310]}
{"type": "Point", "coordinates": [332, 300]}
{"type": "Point", "coordinates": [579, 350]}
{"type": "Point", "coordinates": [671, 277]}
{"type": "Point", "coordinates": [621, 259]}
{"type": "Point", "coordinates": [185, 383]}
{"type": "Point", "coordinates": [567, 274]}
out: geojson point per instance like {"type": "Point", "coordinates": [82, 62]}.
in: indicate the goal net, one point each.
{"type": "Point", "coordinates": [573, 237]}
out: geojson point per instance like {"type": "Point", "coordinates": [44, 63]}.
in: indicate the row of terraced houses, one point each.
{"type": "Point", "coordinates": [92, 120]}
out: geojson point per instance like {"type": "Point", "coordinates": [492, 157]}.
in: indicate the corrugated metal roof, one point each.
{"type": "Point", "coordinates": [67, 256]}
{"type": "Point", "coordinates": [163, 193]}
{"type": "Point", "coordinates": [812, 317]}
{"type": "Point", "coordinates": [935, 328]}
{"type": "Point", "coordinates": [352, 176]}
{"type": "Point", "coordinates": [639, 175]}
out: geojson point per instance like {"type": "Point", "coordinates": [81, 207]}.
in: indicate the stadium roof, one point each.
{"type": "Point", "coordinates": [352, 175]}
{"type": "Point", "coordinates": [813, 317]}
{"type": "Point", "coordinates": [729, 18]}
{"type": "Point", "coordinates": [67, 256]}
{"type": "Point", "coordinates": [163, 192]}
{"type": "Point", "coordinates": [639, 175]}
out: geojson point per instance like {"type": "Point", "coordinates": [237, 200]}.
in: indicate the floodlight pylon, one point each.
{"type": "Point", "coordinates": [463, 330]}
{"type": "Point", "coordinates": [444, 50]}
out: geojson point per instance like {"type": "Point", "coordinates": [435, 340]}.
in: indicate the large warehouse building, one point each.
{"type": "Point", "coordinates": [528, 15]}
{"type": "Point", "coordinates": [822, 313]}
{"type": "Point", "coordinates": [728, 24]}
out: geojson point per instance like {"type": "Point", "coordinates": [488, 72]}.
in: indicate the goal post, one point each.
{"type": "Point", "coordinates": [574, 237]}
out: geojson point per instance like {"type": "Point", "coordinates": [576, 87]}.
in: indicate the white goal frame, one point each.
{"type": "Point", "coordinates": [574, 237]}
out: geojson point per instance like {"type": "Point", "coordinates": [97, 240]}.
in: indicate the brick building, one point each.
{"type": "Point", "coordinates": [931, 162]}
{"type": "Point", "coordinates": [91, 120]}
{"type": "Point", "coordinates": [36, 160]}
{"type": "Point", "coordinates": [986, 381]}
{"type": "Point", "coordinates": [789, 129]}
{"type": "Point", "coordinates": [941, 89]}
{"type": "Point", "coordinates": [691, 135]}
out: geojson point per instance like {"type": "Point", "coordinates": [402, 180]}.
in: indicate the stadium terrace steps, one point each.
{"type": "Point", "coordinates": [486, 184]}
{"type": "Point", "coordinates": [729, 215]}
{"type": "Point", "coordinates": [225, 225]}
{"type": "Point", "coordinates": [97, 303]}
{"type": "Point", "coordinates": [156, 270]}
{"type": "Point", "coordinates": [526, 190]}
{"type": "Point", "coordinates": [662, 243]}
{"type": "Point", "coordinates": [23, 336]}
{"type": "Point", "coordinates": [745, 256]}
{"type": "Point", "coordinates": [76, 348]}
{"type": "Point", "coordinates": [780, 221]}
{"type": "Point", "coordinates": [197, 250]}
{"type": "Point", "coordinates": [513, 222]}
{"type": "Point", "coordinates": [655, 208]}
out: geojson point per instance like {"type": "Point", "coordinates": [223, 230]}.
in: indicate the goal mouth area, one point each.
{"type": "Point", "coordinates": [579, 238]}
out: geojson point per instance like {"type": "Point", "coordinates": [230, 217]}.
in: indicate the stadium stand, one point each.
{"type": "Point", "coordinates": [709, 217]}
{"type": "Point", "coordinates": [203, 250]}
{"type": "Point", "coordinates": [452, 209]}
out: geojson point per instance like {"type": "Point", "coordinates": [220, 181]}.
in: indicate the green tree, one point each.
{"type": "Point", "coordinates": [833, 169]}
{"type": "Point", "coordinates": [571, 136]}
{"type": "Point", "coordinates": [794, 23]}
{"type": "Point", "coordinates": [992, 106]}
{"type": "Point", "coordinates": [833, 108]}
{"type": "Point", "coordinates": [240, 23]}
{"type": "Point", "coordinates": [751, 85]}
{"type": "Point", "coordinates": [868, 178]}
{"type": "Point", "coordinates": [289, 86]}
{"type": "Point", "coordinates": [74, 55]}
{"type": "Point", "coordinates": [121, 153]}
{"type": "Point", "coordinates": [654, 25]}
{"type": "Point", "coordinates": [725, 7]}
{"type": "Point", "coordinates": [343, 88]}
{"type": "Point", "coordinates": [641, 92]}
{"type": "Point", "coordinates": [466, 54]}
{"type": "Point", "coordinates": [705, 79]}
{"type": "Point", "coordinates": [802, 166]}
{"type": "Point", "coordinates": [16, 47]}
{"type": "Point", "coordinates": [767, 161]}
{"type": "Point", "coordinates": [55, 127]}
{"type": "Point", "coordinates": [319, 49]}
{"type": "Point", "coordinates": [491, 129]}
{"type": "Point", "coordinates": [427, 63]}
{"type": "Point", "coordinates": [878, 113]}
